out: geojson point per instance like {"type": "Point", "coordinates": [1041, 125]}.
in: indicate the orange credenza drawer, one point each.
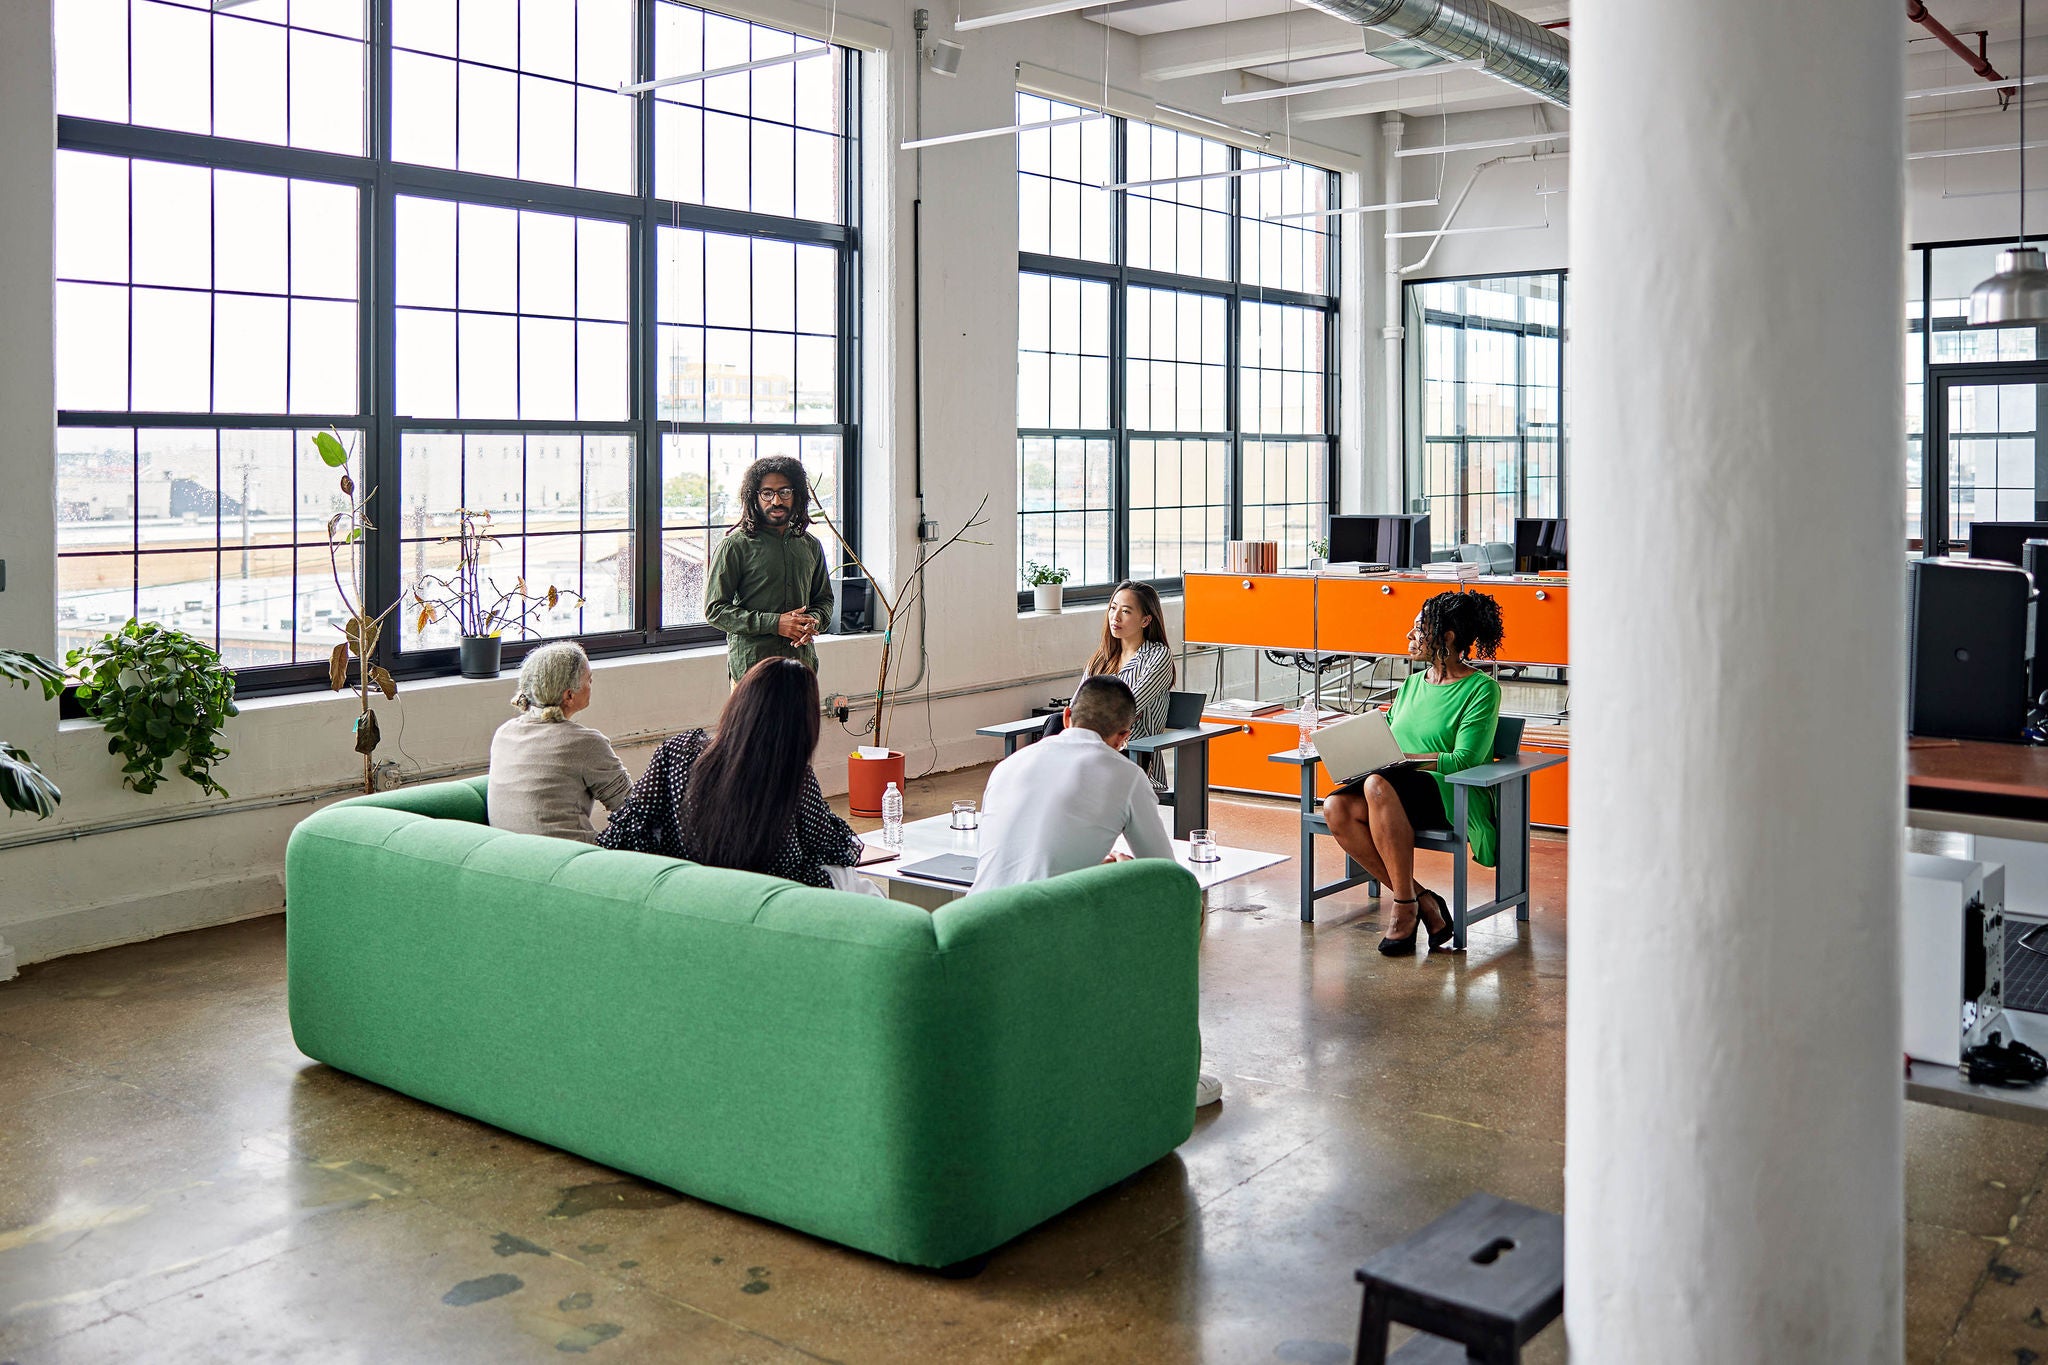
{"type": "Point", "coordinates": [1242, 761]}
{"type": "Point", "coordinates": [1550, 791]}
{"type": "Point", "coordinates": [1249, 609]}
{"type": "Point", "coordinates": [1373, 615]}
{"type": "Point", "coordinates": [1369, 615]}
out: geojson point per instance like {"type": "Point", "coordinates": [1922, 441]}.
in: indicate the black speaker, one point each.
{"type": "Point", "coordinates": [1968, 651]}
{"type": "Point", "coordinates": [855, 604]}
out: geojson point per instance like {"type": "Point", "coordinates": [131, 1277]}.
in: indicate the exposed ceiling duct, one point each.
{"type": "Point", "coordinates": [1512, 48]}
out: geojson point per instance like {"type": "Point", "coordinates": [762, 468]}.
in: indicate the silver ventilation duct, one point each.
{"type": "Point", "coordinates": [1514, 49]}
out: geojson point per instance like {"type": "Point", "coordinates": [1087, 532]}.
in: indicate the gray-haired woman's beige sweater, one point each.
{"type": "Point", "coordinates": [545, 775]}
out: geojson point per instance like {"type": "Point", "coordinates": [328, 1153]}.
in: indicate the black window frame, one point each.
{"type": "Point", "coordinates": [1416, 317]}
{"type": "Point", "coordinates": [380, 181]}
{"type": "Point", "coordinates": [1122, 278]}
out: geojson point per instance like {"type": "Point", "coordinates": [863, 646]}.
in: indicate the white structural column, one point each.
{"type": "Point", "coordinates": [1733, 1159]}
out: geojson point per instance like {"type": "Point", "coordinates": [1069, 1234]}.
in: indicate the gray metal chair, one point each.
{"type": "Point", "coordinates": [1507, 777]}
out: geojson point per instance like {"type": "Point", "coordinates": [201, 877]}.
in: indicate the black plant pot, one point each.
{"type": "Point", "coordinates": [480, 655]}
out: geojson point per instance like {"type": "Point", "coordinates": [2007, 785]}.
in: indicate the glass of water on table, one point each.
{"type": "Point", "coordinates": [1202, 846]}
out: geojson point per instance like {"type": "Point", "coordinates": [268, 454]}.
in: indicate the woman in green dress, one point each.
{"type": "Point", "coordinates": [1444, 717]}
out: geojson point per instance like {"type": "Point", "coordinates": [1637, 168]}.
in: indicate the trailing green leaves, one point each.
{"type": "Point", "coordinates": [159, 693]}
{"type": "Point", "coordinates": [23, 786]}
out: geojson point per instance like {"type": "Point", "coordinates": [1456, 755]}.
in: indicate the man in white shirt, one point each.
{"type": "Point", "coordinates": [1058, 805]}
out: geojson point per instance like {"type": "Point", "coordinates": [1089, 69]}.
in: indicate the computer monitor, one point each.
{"type": "Point", "coordinates": [2005, 540]}
{"type": "Point", "coordinates": [1539, 544]}
{"type": "Point", "coordinates": [1400, 540]}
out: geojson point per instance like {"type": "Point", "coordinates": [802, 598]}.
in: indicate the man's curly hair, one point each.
{"type": "Point", "coordinates": [789, 468]}
{"type": "Point", "coordinates": [1457, 623]}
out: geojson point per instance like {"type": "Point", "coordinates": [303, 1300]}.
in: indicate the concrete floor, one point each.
{"type": "Point", "coordinates": [178, 1183]}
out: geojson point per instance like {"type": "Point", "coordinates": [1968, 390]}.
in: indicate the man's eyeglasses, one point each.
{"type": "Point", "coordinates": [787, 495]}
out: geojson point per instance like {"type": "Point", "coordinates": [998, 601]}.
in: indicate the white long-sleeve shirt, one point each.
{"type": "Point", "coordinates": [1058, 805]}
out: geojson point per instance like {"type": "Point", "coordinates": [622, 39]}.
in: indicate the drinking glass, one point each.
{"type": "Point", "coordinates": [963, 815]}
{"type": "Point", "coordinates": [1202, 846]}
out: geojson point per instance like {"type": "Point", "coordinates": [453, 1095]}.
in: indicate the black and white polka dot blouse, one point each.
{"type": "Point", "coordinates": [652, 821]}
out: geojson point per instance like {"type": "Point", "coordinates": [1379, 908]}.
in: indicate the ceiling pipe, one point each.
{"type": "Point", "coordinates": [1511, 48]}
{"type": "Point", "coordinates": [1977, 62]}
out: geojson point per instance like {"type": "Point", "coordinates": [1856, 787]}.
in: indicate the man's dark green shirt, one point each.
{"type": "Point", "coordinates": [754, 578]}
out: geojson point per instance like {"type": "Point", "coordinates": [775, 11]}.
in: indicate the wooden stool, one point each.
{"type": "Point", "coordinates": [1480, 1281]}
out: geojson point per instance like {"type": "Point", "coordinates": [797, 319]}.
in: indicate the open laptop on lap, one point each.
{"type": "Point", "coordinates": [1355, 748]}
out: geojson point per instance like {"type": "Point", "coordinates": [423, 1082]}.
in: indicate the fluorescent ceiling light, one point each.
{"type": "Point", "coordinates": [1356, 208]}
{"type": "Point", "coordinates": [1345, 82]}
{"type": "Point", "coordinates": [219, 5]}
{"type": "Point", "coordinates": [1964, 151]}
{"type": "Point", "coordinates": [1011, 16]}
{"type": "Point", "coordinates": [980, 133]}
{"type": "Point", "coordinates": [1463, 231]}
{"type": "Point", "coordinates": [1485, 143]}
{"type": "Point", "coordinates": [1974, 88]}
{"type": "Point", "coordinates": [784, 60]}
{"type": "Point", "coordinates": [1213, 122]}
{"type": "Point", "coordinates": [1237, 174]}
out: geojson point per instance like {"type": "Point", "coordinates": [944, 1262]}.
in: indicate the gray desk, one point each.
{"type": "Point", "coordinates": [1014, 732]}
{"type": "Point", "coordinates": [1945, 1086]}
{"type": "Point", "coordinates": [1506, 777]}
{"type": "Point", "coordinates": [1190, 749]}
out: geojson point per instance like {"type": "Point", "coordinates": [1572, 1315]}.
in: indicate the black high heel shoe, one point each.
{"type": "Point", "coordinates": [1402, 947]}
{"type": "Point", "coordinates": [1437, 937]}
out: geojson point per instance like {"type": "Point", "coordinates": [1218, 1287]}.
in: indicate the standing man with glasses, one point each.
{"type": "Point", "coordinates": [768, 588]}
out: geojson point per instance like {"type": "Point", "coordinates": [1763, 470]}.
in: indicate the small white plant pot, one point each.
{"type": "Point", "coordinates": [1046, 596]}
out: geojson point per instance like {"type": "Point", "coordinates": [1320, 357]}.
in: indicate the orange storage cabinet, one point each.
{"type": "Point", "coordinates": [1242, 761]}
{"type": "Point", "coordinates": [1268, 611]}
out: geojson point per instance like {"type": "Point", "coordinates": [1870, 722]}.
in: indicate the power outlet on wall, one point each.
{"type": "Point", "coordinates": [385, 776]}
{"type": "Point", "coordinates": [927, 529]}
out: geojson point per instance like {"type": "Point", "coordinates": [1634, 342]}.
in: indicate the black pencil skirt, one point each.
{"type": "Point", "coordinates": [1420, 799]}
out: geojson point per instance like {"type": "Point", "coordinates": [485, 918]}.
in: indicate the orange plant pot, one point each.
{"type": "Point", "coordinates": [868, 778]}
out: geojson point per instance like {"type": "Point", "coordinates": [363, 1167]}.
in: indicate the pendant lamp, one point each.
{"type": "Point", "coordinates": [2018, 294]}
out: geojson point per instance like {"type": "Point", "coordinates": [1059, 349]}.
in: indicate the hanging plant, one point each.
{"type": "Point", "coordinates": [159, 693]}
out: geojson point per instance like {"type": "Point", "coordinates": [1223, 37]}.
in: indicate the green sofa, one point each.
{"type": "Point", "coordinates": [925, 1086]}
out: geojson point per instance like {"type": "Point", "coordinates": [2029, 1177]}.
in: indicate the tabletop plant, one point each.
{"type": "Point", "coordinates": [160, 693]}
{"type": "Point", "coordinates": [24, 786]}
{"type": "Point", "coordinates": [476, 604]}
{"type": "Point", "coordinates": [1039, 575]}
{"type": "Point", "coordinates": [346, 531]}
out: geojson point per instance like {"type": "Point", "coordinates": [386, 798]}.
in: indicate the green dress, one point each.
{"type": "Point", "coordinates": [1455, 720]}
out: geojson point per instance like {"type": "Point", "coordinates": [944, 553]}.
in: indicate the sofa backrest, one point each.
{"type": "Point", "coordinates": [817, 1057]}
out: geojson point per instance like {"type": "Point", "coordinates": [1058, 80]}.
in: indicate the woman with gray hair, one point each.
{"type": "Point", "coordinates": [547, 770]}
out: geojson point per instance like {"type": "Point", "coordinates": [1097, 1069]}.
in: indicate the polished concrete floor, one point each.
{"type": "Point", "coordinates": [178, 1183]}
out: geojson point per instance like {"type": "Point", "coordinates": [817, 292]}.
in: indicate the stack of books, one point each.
{"type": "Point", "coordinates": [1455, 569]}
{"type": "Point", "coordinates": [1251, 556]}
{"type": "Point", "coordinates": [1243, 708]}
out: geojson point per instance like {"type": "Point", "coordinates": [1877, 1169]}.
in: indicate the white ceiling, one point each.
{"type": "Point", "coordinates": [1262, 43]}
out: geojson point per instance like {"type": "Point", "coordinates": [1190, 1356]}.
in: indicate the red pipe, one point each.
{"type": "Point", "coordinates": [1917, 12]}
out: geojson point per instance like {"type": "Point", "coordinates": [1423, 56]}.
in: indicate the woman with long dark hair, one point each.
{"type": "Point", "coordinates": [1444, 715]}
{"type": "Point", "coordinates": [746, 799]}
{"type": "Point", "coordinates": [1134, 648]}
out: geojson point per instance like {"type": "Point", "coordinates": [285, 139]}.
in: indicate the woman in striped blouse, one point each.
{"type": "Point", "coordinates": [1134, 648]}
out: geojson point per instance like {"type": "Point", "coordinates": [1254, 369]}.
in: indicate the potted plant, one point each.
{"type": "Point", "coordinates": [1045, 581]}
{"type": "Point", "coordinates": [871, 768]}
{"type": "Point", "coordinates": [159, 693]}
{"type": "Point", "coordinates": [481, 609]}
{"type": "Point", "coordinates": [359, 630]}
{"type": "Point", "coordinates": [24, 786]}
{"type": "Point", "coordinates": [1318, 552]}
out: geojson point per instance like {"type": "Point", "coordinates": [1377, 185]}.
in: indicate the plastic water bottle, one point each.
{"type": "Point", "coordinates": [1308, 728]}
{"type": "Point", "coordinates": [892, 817]}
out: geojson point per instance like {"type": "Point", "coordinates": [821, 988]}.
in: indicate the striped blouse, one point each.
{"type": "Point", "coordinates": [1149, 675]}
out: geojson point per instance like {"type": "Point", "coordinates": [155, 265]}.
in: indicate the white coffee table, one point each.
{"type": "Point", "coordinates": [931, 837]}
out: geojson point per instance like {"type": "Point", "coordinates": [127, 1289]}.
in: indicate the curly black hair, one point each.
{"type": "Point", "coordinates": [789, 467]}
{"type": "Point", "coordinates": [1455, 624]}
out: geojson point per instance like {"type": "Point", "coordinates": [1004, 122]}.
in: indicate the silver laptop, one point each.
{"type": "Point", "coordinates": [1357, 747]}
